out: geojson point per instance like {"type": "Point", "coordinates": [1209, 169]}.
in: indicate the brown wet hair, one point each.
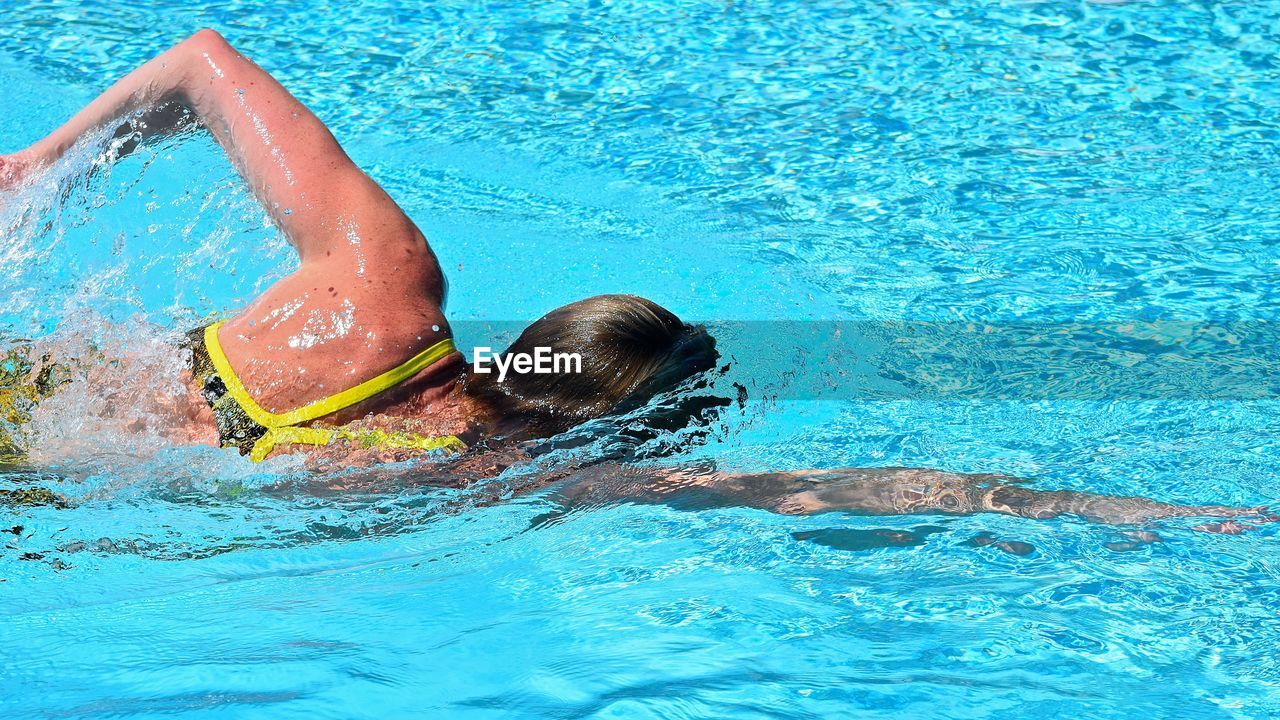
{"type": "Point", "coordinates": [631, 349]}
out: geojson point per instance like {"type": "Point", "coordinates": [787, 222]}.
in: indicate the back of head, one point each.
{"type": "Point", "coordinates": [627, 348]}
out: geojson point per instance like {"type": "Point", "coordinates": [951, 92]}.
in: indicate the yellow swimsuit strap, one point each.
{"type": "Point", "coordinates": [365, 438]}
{"type": "Point", "coordinates": [282, 427]}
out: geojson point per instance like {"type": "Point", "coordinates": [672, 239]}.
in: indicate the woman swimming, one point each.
{"type": "Point", "coordinates": [353, 350]}
{"type": "Point", "coordinates": [358, 331]}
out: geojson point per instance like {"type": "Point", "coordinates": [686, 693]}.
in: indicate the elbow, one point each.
{"type": "Point", "coordinates": [192, 54]}
{"type": "Point", "coordinates": [208, 40]}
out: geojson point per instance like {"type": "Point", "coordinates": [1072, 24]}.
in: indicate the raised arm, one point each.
{"type": "Point", "coordinates": [328, 208]}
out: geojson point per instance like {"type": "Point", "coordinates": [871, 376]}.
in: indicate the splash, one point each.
{"type": "Point", "coordinates": [113, 391]}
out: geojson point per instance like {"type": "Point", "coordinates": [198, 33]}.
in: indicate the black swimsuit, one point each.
{"type": "Point", "coordinates": [235, 427]}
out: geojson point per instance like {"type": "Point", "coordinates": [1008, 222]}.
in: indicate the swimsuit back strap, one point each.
{"type": "Point", "coordinates": [323, 406]}
{"type": "Point", "coordinates": [364, 438]}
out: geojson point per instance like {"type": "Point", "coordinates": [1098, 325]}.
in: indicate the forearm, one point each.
{"type": "Point", "coordinates": [893, 491]}
{"type": "Point", "coordinates": [330, 209]}
{"type": "Point", "coordinates": [264, 130]}
{"type": "Point", "coordinates": [163, 79]}
{"type": "Point", "coordinates": [1109, 509]}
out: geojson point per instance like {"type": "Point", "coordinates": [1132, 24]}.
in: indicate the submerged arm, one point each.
{"type": "Point", "coordinates": [295, 167]}
{"type": "Point", "coordinates": [909, 490]}
{"type": "Point", "coordinates": [872, 491]}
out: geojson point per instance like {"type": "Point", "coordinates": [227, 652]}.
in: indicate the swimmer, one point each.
{"type": "Point", "coordinates": [353, 353]}
{"type": "Point", "coordinates": [353, 349]}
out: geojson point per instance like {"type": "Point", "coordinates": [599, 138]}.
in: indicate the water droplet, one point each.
{"type": "Point", "coordinates": [288, 211]}
{"type": "Point", "coordinates": [435, 328]}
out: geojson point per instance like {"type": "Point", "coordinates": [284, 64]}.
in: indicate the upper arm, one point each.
{"type": "Point", "coordinates": [328, 207]}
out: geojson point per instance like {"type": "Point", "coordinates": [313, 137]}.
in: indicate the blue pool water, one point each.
{"type": "Point", "coordinates": [807, 177]}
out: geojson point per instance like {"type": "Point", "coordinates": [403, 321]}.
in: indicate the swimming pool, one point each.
{"type": "Point", "coordinates": [812, 179]}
